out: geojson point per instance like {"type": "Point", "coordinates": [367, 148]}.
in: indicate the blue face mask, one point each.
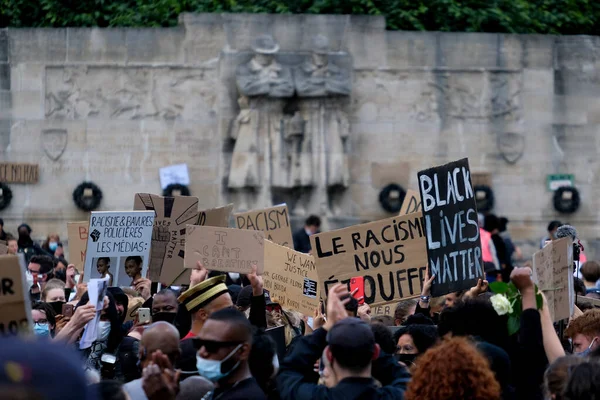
{"type": "Point", "coordinates": [211, 369]}
{"type": "Point", "coordinates": [41, 330]}
{"type": "Point", "coordinates": [53, 246]}
{"type": "Point", "coordinates": [587, 351]}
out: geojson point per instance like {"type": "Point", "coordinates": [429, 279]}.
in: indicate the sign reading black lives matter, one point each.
{"type": "Point", "coordinates": [122, 239]}
{"type": "Point", "coordinates": [453, 243]}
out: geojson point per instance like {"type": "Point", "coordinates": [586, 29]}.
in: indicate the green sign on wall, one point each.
{"type": "Point", "coordinates": [556, 181]}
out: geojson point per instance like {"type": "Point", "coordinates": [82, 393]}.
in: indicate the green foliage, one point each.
{"type": "Point", "coordinates": [510, 16]}
{"type": "Point", "coordinates": [511, 293]}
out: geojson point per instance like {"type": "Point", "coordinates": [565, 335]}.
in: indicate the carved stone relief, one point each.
{"type": "Point", "coordinates": [291, 131]}
{"type": "Point", "coordinates": [54, 143]}
{"type": "Point", "coordinates": [136, 93]}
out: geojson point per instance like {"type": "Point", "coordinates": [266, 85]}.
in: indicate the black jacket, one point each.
{"type": "Point", "coordinates": [294, 383]}
{"type": "Point", "coordinates": [301, 241]}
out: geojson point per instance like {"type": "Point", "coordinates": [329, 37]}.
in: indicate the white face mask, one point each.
{"type": "Point", "coordinates": [103, 331]}
{"type": "Point", "coordinates": [234, 275]}
{"type": "Point", "coordinates": [29, 278]}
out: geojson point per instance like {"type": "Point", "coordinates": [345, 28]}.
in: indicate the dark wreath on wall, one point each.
{"type": "Point", "coordinates": [179, 190]}
{"type": "Point", "coordinates": [566, 200]}
{"type": "Point", "coordinates": [87, 196]}
{"type": "Point", "coordinates": [391, 197]}
{"type": "Point", "coordinates": [484, 197]}
{"type": "Point", "coordinates": [5, 196]}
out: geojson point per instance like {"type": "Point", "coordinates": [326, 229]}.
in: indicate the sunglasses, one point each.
{"type": "Point", "coordinates": [212, 346]}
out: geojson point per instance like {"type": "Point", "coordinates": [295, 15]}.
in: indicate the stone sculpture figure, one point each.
{"type": "Point", "coordinates": [318, 76]}
{"type": "Point", "coordinates": [259, 160]}
{"type": "Point", "coordinates": [263, 75]}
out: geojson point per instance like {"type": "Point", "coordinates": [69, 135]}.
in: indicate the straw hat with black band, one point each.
{"type": "Point", "coordinates": [203, 293]}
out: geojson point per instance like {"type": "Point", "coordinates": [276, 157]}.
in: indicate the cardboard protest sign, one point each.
{"type": "Point", "coordinates": [77, 233]}
{"type": "Point", "coordinates": [15, 318]}
{"type": "Point", "coordinates": [213, 217]}
{"type": "Point", "coordinates": [132, 309]}
{"type": "Point", "coordinates": [224, 249]}
{"type": "Point", "coordinates": [291, 278]}
{"type": "Point", "coordinates": [114, 237]}
{"type": "Point", "coordinates": [552, 271]}
{"type": "Point", "coordinates": [390, 254]}
{"type": "Point", "coordinates": [273, 221]}
{"type": "Point", "coordinates": [411, 203]}
{"type": "Point", "coordinates": [172, 214]}
{"type": "Point", "coordinates": [450, 213]}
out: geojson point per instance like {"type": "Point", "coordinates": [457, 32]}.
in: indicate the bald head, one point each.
{"type": "Point", "coordinates": [160, 336]}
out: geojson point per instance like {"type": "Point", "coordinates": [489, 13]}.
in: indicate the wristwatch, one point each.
{"type": "Point", "coordinates": [425, 299]}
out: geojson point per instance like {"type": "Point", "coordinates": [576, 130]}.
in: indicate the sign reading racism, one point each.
{"type": "Point", "coordinates": [19, 173]}
{"type": "Point", "coordinates": [411, 203]}
{"type": "Point", "coordinates": [552, 271]}
{"type": "Point", "coordinates": [224, 249]}
{"type": "Point", "coordinates": [291, 278]}
{"type": "Point", "coordinates": [273, 221]}
{"type": "Point", "coordinates": [172, 214]}
{"type": "Point", "coordinates": [77, 233]}
{"type": "Point", "coordinates": [390, 254]}
{"type": "Point", "coordinates": [15, 318]}
{"type": "Point", "coordinates": [453, 243]}
{"type": "Point", "coordinates": [119, 243]}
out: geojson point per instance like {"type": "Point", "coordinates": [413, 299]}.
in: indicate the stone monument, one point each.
{"type": "Point", "coordinates": [291, 131]}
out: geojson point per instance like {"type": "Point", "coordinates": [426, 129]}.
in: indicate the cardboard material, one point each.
{"type": "Point", "coordinates": [134, 304]}
{"type": "Point", "coordinates": [118, 235]}
{"type": "Point", "coordinates": [450, 213]}
{"type": "Point", "coordinates": [291, 278]}
{"type": "Point", "coordinates": [15, 318]}
{"type": "Point", "coordinates": [588, 300]}
{"type": "Point", "coordinates": [224, 249]}
{"type": "Point", "coordinates": [273, 221]}
{"type": "Point", "coordinates": [390, 254]}
{"type": "Point", "coordinates": [19, 173]}
{"type": "Point", "coordinates": [77, 233]}
{"type": "Point", "coordinates": [172, 214]}
{"type": "Point", "coordinates": [411, 203]}
{"type": "Point", "coordinates": [553, 270]}
{"type": "Point", "coordinates": [213, 217]}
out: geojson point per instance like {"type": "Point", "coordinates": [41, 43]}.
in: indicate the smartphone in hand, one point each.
{"type": "Point", "coordinates": [358, 282]}
{"type": "Point", "coordinates": [67, 310]}
{"type": "Point", "coordinates": [144, 316]}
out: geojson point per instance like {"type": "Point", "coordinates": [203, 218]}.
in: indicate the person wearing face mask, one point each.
{"type": "Point", "coordinates": [51, 244]}
{"type": "Point", "coordinates": [208, 296]}
{"type": "Point", "coordinates": [165, 306]}
{"type": "Point", "coordinates": [160, 336]}
{"type": "Point", "coordinates": [302, 237]}
{"type": "Point", "coordinates": [584, 331]}
{"type": "Point", "coordinates": [108, 338]}
{"type": "Point", "coordinates": [413, 341]}
{"type": "Point", "coordinates": [27, 246]}
{"type": "Point", "coordinates": [224, 345]}
{"type": "Point", "coordinates": [39, 271]}
{"type": "Point", "coordinates": [349, 353]}
{"type": "Point", "coordinates": [43, 317]}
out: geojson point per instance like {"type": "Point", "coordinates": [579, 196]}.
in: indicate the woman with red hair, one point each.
{"type": "Point", "coordinates": [453, 370]}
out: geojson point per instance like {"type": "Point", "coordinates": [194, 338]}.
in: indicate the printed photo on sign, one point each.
{"type": "Point", "coordinates": [451, 223]}
{"type": "Point", "coordinates": [224, 249]}
{"type": "Point", "coordinates": [291, 278]}
{"type": "Point", "coordinates": [390, 254]}
{"type": "Point", "coordinates": [125, 238]}
{"type": "Point", "coordinates": [103, 267]}
{"type": "Point", "coordinates": [273, 221]}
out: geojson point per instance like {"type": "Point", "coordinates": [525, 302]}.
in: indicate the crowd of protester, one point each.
{"type": "Point", "coordinates": [214, 339]}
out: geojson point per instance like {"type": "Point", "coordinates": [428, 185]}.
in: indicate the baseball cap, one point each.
{"type": "Point", "coordinates": [351, 334]}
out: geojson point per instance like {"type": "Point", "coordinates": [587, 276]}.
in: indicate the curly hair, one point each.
{"type": "Point", "coordinates": [587, 324]}
{"type": "Point", "coordinates": [453, 370]}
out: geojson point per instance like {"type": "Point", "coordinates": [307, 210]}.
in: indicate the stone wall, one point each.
{"type": "Point", "coordinates": [114, 105]}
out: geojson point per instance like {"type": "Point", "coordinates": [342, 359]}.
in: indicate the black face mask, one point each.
{"type": "Point", "coordinates": [165, 316]}
{"type": "Point", "coordinates": [407, 359]}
